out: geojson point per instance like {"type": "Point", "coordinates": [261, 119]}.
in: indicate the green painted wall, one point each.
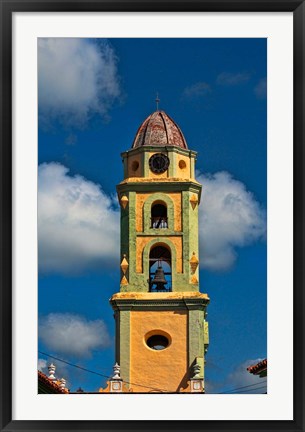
{"type": "Point", "coordinates": [196, 335]}
{"type": "Point", "coordinates": [189, 234]}
{"type": "Point", "coordinates": [123, 336]}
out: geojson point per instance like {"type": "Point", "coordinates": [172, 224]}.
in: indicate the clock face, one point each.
{"type": "Point", "coordinates": [158, 163]}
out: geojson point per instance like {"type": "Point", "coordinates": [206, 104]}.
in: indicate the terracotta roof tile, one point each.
{"type": "Point", "coordinates": [52, 385]}
{"type": "Point", "coordinates": [158, 129]}
{"type": "Point", "coordinates": [258, 367]}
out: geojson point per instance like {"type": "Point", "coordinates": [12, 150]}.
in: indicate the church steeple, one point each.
{"type": "Point", "coordinates": [161, 330]}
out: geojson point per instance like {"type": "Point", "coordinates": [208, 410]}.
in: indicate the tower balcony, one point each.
{"type": "Point", "coordinates": [158, 222]}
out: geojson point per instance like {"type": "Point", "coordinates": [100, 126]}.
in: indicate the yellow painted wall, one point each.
{"type": "Point", "coordinates": [166, 369]}
{"type": "Point", "coordinates": [142, 197]}
{"type": "Point", "coordinates": [141, 242]}
{"type": "Point", "coordinates": [185, 172]}
{"type": "Point", "coordinates": [130, 166]}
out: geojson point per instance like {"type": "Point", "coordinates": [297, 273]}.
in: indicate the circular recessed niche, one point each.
{"type": "Point", "coordinates": [135, 165]}
{"type": "Point", "coordinates": [157, 340]}
{"type": "Point", "coordinates": [182, 164]}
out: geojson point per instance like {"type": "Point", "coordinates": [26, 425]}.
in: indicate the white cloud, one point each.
{"type": "Point", "coordinates": [78, 225]}
{"type": "Point", "coordinates": [239, 380]}
{"type": "Point", "coordinates": [231, 79]}
{"type": "Point", "coordinates": [76, 78]}
{"type": "Point", "coordinates": [42, 365]}
{"type": "Point", "coordinates": [240, 377]}
{"type": "Point", "coordinates": [260, 89]}
{"type": "Point", "coordinates": [230, 217]}
{"type": "Point", "coordinates": [197, 90]}
{"type": "Point", "coordinates": [72, 334]}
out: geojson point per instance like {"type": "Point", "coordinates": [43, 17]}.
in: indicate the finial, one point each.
{"type": "Point", "coordinates": [157, 101]}
{"type": "Point", "coordinates": [116, 370]}
{"type": "Point", "coordinates": [52, 370]}
{"type": "Point", "coordinates": [79, 390]}
{"type": "Point", "coordinates": [62, 384]}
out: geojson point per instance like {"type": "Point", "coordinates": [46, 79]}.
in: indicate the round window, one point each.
{"type": "Point", "coordinates": [157, 342]}
{"type": "Point", "coordinates": [182, 164]}
{"type": "Point", "coordinates": [135, 165]}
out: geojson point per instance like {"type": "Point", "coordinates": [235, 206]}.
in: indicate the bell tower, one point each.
{"type": "Point", "coordinates": [161, 328]}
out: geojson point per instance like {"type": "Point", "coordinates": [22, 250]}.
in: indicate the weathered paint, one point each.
{"type": "Point", "coordinates": [140, 183]}
{"type": "Point", "coordinates": [196, 336]}
{"type": "Point", "coordinates": [182, 242]}
{"type": "Point", "coordinates": [195, 295]}
{"type": "Point", "coordinates": [173, 243]}
{"type": "Point", "coordinates": [172, 155]}
{"type": "Point", "coordinates": [144, 203]}
{"type": "Point", "coordinates": [159, 129]}
{"type": "Point", "coordinates": [174, 171]}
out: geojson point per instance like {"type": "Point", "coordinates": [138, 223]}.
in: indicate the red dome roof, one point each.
{"type": "Point", "coordinates": [159, 130]}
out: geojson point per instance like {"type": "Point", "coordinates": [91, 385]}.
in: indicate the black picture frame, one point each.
{"type": "Point", "coordinates": [7, 9]}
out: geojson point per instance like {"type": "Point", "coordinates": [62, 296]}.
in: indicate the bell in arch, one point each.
{"type": "Point", "coordinates": [159, 279]}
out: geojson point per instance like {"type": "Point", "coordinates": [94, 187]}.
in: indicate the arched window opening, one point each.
{"type": "Point", "coordinates": [159, 216]}
{"type": "Point", "coordinates": [160, 269]}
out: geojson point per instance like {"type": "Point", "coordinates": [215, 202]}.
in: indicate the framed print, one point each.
{"type": "Point", "coordinates": [152, 215]}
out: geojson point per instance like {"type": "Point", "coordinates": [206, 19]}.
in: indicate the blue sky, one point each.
{"type": "Point", "coordinates": [93, 95]}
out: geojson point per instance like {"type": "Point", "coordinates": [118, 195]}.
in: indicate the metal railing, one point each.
{"type": "Point", "coordinates": [159, 222]}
